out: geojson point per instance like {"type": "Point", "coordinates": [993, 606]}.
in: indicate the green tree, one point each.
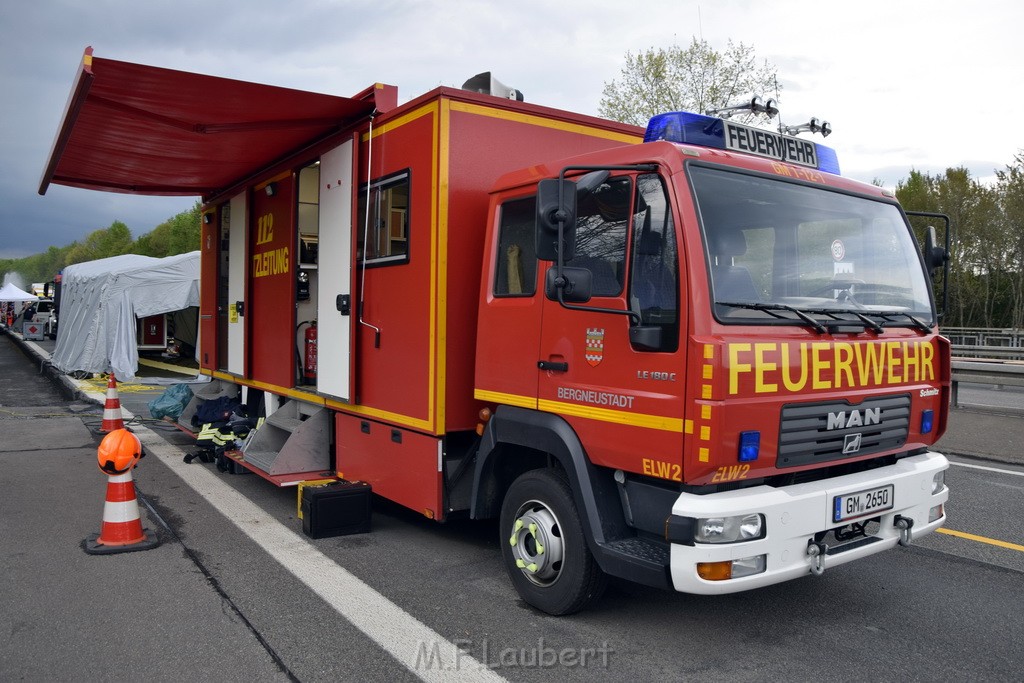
{"type": "Point", "coordinates": [1010, 192]}
{"type": "Point", "coordinates": [186, 231]}
{"type": "Point", "coordinates": [103, 243]}
{"type": "Point", "coordinates": [177, 235]}
{"type": "Point", "coordinates": [155, 243]}
{"type": "Point", "coordinates": [695, 78]}
{"type": "Point", "coordinates": [978, 285]}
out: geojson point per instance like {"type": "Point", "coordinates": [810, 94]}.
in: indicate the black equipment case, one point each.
{"type": "Point", "coordinates": [336, 509]}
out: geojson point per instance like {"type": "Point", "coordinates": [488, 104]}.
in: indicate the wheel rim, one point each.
{"type": "Point", "coordinates": [536, 541]}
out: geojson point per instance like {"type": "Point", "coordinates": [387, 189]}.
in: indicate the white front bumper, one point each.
{"type": "Point", "coordinates": [794, 514]}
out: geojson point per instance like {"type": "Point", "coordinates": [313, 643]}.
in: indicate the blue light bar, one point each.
{"type": "Point", "coordinates": [684, 127]}
{"type": "Point", "coordinates": [708, 131]}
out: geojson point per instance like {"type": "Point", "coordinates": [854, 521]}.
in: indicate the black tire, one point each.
{"type": "Point", "coordinates": [549, 563]}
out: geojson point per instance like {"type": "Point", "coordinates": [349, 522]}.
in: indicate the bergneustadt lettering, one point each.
{"type": "Point", "coordinates": [596, 398]}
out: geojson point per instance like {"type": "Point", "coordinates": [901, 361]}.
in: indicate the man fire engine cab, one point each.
{"type": "Point", "coordinates": [745, 330]}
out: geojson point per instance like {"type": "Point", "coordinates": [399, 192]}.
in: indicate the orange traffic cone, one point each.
{"type": "Point", "coordinates": [122, 530]}
{"type": "Point", "coordinates": [111, 408]}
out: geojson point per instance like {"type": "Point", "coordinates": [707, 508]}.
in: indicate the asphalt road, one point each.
{"type": "Point", "coordinates": [235, 591]}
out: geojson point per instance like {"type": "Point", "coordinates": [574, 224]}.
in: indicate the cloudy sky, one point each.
{"type": "Point", "coordinates": [906, 84]}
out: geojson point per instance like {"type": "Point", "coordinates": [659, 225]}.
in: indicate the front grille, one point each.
{"type": "Point", "coordinates": [821, 432]}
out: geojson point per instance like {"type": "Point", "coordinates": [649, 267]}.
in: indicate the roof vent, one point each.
{"type": "Point", "coordinates": [489, 85]}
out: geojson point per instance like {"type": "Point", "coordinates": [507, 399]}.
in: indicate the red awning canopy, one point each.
{"type": "Point", "coordinates": [145, 130]}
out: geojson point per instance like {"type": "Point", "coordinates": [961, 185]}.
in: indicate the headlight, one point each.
{"type": "Point", "coordinates": [938, 481]}
{"type": "Point", "coordinates": [730, 529]}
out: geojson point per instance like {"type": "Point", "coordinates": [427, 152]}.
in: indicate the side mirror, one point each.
{"type": "Point", "coordinates": [934, 256]}
{"type": "Point", "coordinates": [577, 286]}
{"type": "Point", "coordinates": [551, 212]}
{"type": "Point", "coordinates": [590, 182]}
{"type": "Point", "coordinates": [646, 338]}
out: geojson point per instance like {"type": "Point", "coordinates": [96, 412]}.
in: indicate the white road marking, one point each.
{"type": "Point", "coordinates": [416, 646]}
{"type": "Point", "coordinates": [987, 469]}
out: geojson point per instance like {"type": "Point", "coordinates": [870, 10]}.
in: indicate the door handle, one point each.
{"type": "Point", "coordinates": [553, 366]}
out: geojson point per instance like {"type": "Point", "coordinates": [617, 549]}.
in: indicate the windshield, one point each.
{"type": "Point", "coordinates": [786, 252]}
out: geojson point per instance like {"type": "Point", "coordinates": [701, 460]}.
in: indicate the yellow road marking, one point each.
{"type": "Point", "coordinates": [982, 539]}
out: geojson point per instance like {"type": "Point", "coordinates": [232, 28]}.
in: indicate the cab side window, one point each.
{"type": "Point", "coordinates": [602, 223]}
{"type": "Point", "coordinates": [654, 273]}
{"type": "Point", "coordinates": [516, 266]}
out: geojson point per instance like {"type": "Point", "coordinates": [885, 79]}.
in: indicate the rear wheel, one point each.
{"type": "Point", "coordinates": [544, 547]}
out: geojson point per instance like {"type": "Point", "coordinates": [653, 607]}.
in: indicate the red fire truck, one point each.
{"type": "Point", "coordinates": [693, 356]}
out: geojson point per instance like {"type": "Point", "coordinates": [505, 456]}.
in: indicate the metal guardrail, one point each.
{"type": "Point", "coordinates": [980, 372]}
{"type": "Point", "coordinates": [986, 356]}
{"type": "Point", "coordinates": [985, 336]}
{"type": "Point", "coordinates": [996, 352]}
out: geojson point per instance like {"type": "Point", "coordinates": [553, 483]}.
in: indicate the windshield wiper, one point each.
{"type": "Point", "coordinates": [771, 308]}
{"type": "Point", "coordinates": [887, 316]}
{"type": "Point", "coordinates": [868, 322]}
{"type": "Point", "coordinates": [917, 322]}
{"type": "Point", "coordinates": [833, 313]}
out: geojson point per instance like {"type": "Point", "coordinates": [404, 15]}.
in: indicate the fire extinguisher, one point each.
{"type": "Point", "coordinates": [309, 370]}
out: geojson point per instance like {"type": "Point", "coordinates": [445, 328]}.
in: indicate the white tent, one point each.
{"type": "Point", "coordinates": [11, 292]}
{"type": "Point", "coordinates": [101, 300]}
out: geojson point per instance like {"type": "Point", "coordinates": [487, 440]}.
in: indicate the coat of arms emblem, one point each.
{"type": "Point", "coordinates": [595, 346]}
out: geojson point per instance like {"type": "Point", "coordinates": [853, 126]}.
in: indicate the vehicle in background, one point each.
{"type": "Point", "coordinates": [46, 315]}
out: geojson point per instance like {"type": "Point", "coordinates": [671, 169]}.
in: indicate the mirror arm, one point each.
{"type": "Point", "coordinates": [560, 284]}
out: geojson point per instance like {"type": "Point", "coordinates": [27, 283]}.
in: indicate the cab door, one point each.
{"type": "Point", "coordinates": [508, 331]}
{"type": "Point", "coordinates": [623, 399]}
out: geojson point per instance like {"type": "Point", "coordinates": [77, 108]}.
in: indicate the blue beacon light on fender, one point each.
{"type": "Point", "coordinates": [927, 421]}
{"type": "Point", "coordinates": [708, 131]}
{"type": "Point", "coordinates": [750, 446]}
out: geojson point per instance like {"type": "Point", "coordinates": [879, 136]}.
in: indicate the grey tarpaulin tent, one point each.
{"type": "Point", "coordinates": [101, 300]}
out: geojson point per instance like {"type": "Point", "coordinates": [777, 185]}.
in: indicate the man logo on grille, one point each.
{"type": "Point", "coordinates": [851, 444]}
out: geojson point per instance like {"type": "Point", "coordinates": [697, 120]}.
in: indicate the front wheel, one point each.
{"type": "Point", "coordinates": [544, 547]}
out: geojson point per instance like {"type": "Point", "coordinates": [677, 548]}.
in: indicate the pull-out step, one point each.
{"type": "Point", "coordinates": [294, 439]}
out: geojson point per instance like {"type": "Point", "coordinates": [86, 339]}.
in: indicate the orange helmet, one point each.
{"type": "Point", "coordinates": [119, 451]}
